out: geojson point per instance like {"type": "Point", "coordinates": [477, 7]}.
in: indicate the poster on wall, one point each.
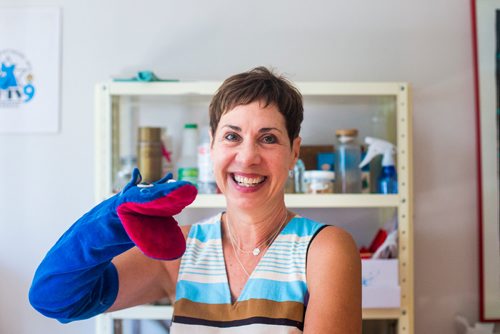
{"type": "Point", "coordinates": [29, 69]}
{"type": "Point", "coordinates": [487, 42]}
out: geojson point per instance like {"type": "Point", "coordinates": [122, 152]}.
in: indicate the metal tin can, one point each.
{"type": "Point", "coordinates": [149, 153]}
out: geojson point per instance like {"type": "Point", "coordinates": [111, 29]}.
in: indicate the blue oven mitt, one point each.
{"type": "Point", "coordinates": [76, 279]}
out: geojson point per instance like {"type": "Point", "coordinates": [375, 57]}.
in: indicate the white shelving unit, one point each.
{"type": "Point", "coordinates": [107, 155]}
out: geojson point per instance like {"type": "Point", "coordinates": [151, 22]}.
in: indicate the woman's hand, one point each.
{"type": "Point", "coordinates": [146, 212]}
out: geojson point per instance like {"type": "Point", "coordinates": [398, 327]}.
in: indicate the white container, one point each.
{"type": "Point", "coordinates": [187, 165]}
{"type": "Point", "coordinates": [206, 177]}
{"type": "Point", "coordinates": [380, 284]}
{"type": "Point", "coordinates": [319, 181]}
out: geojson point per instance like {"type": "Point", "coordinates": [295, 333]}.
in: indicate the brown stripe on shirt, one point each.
{"type": "Point", "coordinates": [240, 310]}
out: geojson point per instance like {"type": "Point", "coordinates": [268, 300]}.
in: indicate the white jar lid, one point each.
{"type": "Point", "coordinates": [319, 175]}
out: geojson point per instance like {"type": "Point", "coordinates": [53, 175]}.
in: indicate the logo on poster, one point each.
{"type": "Point", "coordinates": [16, 79]}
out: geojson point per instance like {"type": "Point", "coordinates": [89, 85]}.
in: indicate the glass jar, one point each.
{"type": "Point", "coordinates": [347, 160]}
{"type": "Point", "coordinates": [319, 181]}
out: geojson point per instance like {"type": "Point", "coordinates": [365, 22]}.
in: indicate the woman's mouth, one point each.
{"type": "Point", "coordinates": [248, 182]}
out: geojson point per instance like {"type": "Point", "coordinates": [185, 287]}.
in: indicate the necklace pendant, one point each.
{"type": "Point", "coordinates": [256, 251]}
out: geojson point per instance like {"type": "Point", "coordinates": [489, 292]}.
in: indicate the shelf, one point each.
{"type": "Point", "coordinates": [163, 88]}
{"type": "Point", "coordinates": [381, 313]}
{"type": "Point", "coordinates": [305, 201]}
{"type": "Point", "coordinates": [208, 88]}
{"type": "Point", "coordinates": [165, 312]}
{"type": "Point", "coordinates": [150, 312]}
{"type": "Point", "coordinates": [350, 88]}
{"type": "Point", "coordinates": [395, 97]}
{"type": "Point", "coordinates": [314, 201]}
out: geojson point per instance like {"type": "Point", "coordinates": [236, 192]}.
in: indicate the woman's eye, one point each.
{"type": "Point", "coordinates": [269, 139]}
{"type": "Point", "coordinates": [231, 136]}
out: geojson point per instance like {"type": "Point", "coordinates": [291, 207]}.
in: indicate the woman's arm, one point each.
{"type": "Point", "coordinates": [76, 279]}
{"type": "Point", "coordinates": [141, 280]}
{"type": "Point", "coordinates": [334, 283]}
{"type": "Point", "coordinates": [144, 280]}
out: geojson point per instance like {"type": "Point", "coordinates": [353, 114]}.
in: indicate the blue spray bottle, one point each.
{"type": "Point", "coordinates": [387, 182]}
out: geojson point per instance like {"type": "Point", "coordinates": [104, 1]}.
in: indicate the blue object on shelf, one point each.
{"type": "Point", "coordinates": [325, 161]}
{"type": "Point", "coordinates": [387, 181]}
{"type": "Point", "coordinates": [145, 76]}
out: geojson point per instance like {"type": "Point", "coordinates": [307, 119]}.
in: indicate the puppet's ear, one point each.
{"type": "Point", "coordinates": [164, 179]}
{"type": "Point", "coordinates": [135, 179]}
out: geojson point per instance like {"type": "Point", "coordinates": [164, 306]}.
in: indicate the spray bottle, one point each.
{"type": "Point", "coordinates": [387, 182]}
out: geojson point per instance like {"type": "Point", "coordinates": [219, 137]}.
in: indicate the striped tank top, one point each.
{"type": "Point", "coordinates": [274, 297]}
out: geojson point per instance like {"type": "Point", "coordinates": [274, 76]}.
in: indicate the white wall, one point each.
{"type": "Point", "coordinates": [47, 180]}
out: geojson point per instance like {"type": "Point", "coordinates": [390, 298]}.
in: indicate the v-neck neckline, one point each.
{"type": "Point", "coordinates": [250, 278]}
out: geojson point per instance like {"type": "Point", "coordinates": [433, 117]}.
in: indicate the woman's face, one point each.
{"type": "Point", "coordinates": [252, 156]}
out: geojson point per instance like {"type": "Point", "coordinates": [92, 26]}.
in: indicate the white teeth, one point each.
{"type": "Point", "coordinates": [247, 181]}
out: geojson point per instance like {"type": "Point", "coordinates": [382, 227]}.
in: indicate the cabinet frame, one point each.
{"type": "Point", "coordinates": [107, 113]}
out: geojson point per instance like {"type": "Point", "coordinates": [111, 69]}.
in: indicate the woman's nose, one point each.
{"type": "Point", "coordinates": [248, 154]}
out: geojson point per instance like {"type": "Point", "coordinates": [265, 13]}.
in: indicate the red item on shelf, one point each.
{"type": "Point", "coordinates": [378, 240]}
{"type": "Point", "coordinates": [365, 253]}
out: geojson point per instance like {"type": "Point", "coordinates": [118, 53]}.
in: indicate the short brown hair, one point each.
{"type": "Point", "coordinates": [259, 84]}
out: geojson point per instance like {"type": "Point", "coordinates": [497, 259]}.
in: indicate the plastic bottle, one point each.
{"type": "Point", "coordinates": [347, 159]}
{"type": "Point", "coordinates": [298, 174]}
{"type": "Point", "coordinates": [168, 155]}
{"type": "Point", "coordinates": [187, 165]}
{"type": "Point", "coordinates": [387, 181]}
{"type": "Point", "coordinates": [206, 177]}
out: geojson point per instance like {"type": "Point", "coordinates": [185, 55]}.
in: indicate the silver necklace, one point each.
{"type": "Point", "coordinates": [238, 259]}
{"type": "Point", "coordinates": [257, 249]}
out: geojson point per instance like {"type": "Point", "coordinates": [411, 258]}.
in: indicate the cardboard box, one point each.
{"type": "Point", "coordinates": [380, 283]}
{"type": "Point", "coordinates": [309, 154]}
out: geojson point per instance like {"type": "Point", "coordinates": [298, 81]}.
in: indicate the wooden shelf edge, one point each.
{"type": "Point", "coordinates": [313, 201]}
{"type": "Point", "coordinates": [381, 313]}
{"type": "Point", "coordinates": [205, 201]}
{"type": "Point", "coordinates": [208, 88]}
{"type": "Point", "coordinates": [150, 312]}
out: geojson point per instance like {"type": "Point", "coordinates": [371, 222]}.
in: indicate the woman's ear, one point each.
{"type": "Point", "coordinates": [210, 135]}
{"type": "Point", "coordinates": [295, 151]}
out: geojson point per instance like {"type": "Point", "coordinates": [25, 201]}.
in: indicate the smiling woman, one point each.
{"type": "Point", "coordinates": [260, 281]}
{"type": "Point", "coordinates": [252, 155]}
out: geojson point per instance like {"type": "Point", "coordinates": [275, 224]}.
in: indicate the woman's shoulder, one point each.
{"type": "Point", "coordinates": [323, 232]}
{"type": "Point", "coordinates": [333, 245]}
{"type": "Point", "coordinates": [303, 226]}
{"type": "Point", "coordinates": [334, 238]}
